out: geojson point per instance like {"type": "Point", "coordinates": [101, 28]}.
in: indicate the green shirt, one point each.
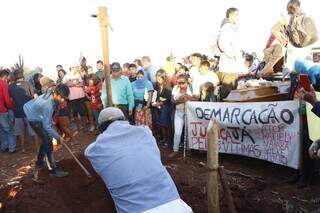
{"type": "Point", "coordinates": [139, 93]}
{"type": "Point", "coordinates": [121, 92]}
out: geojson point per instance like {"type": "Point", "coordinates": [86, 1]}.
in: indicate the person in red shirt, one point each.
{"type": "Point", "coordinates": [7, 139]}
{"type": "Point", "coordinates": [93, 93]}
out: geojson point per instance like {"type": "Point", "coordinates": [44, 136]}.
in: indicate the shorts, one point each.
{"type": "Point", "coordinates": [22, 127]}
{"type": "Point", "coordinates": [78, 107]}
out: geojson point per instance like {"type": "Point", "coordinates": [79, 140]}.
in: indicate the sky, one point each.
{"type": "Point", "coordinates": [47, 33]}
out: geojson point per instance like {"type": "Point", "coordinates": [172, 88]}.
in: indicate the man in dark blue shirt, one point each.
{"type": "Point", "coordinates": [21, 92]}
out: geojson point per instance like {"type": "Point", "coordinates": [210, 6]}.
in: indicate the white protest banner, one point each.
{"type": "Point", "coordinates": [264, 130]}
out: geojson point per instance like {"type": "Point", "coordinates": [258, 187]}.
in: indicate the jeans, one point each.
{"type": "Point", "coordinates": [178, 128]}
{"type": "Point", "coordinates": [96, 116]}
{"type": "Point", "coordinates": [46, 146]}
{"type": "Point", "coordinates": [7, 139]}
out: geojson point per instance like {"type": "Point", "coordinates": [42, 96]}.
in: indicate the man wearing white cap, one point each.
{"type": "Point", "coordinates": [128, 160]}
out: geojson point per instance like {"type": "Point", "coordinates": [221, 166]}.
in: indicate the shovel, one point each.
{"type": "Point", "coordinates": [77, 160]}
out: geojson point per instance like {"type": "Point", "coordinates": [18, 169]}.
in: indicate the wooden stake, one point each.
{"type": "Point", "coordinates": [213, 164]}
{"type": "Point", "coordinates": [185, 138]}
{"type": "Point", "coordinates": [103, 20]}
{"type": "Point", "coordinates": [226, 189]}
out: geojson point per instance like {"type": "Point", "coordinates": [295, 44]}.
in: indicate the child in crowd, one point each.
{"type": "Point", "coordinates": [93, 93]}
{"type": "Point", "coordinates": [163, 105]}
{"type": "Point", "coordinates": [86, 78]}
{"type": "Point", "coordinates": [62, 122]}
{"type": "Point", "coordinates": [36, 82]}
{"type": "Point", "coordinates": [138, 64]}
{"type": "Point", "coordinates": [204, 75]}
{"type": "Point", "coordinates": [126, 70]}
{"type": "Point", "coordinates": [214, 64]}
{"type": "Point", "coordinates": [133, 69]}
{"type": "Point", "coordinates": [140, 88]}
{"type": "Point", "coordinates": [90, 70]}
{"type": "Point", "coordinates": [207, 93]}
{"type": "Point", "coordinates": [181, 93]}
{"type": "Point", "coordinates": [181, 70]}
{"type": "Point", "coordinates": [249, 63]}
{"type": "Point", "coordinates": [61, 74]}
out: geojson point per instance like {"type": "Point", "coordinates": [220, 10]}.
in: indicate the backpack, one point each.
{"type": "Point", "coordinates": [302, 31]}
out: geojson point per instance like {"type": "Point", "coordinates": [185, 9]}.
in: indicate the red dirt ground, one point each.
{"type": "Point", "coordinates": [256, 186]}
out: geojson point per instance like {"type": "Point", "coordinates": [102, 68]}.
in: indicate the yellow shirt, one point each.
{"type": "Point", "coordinates": [170, 68]}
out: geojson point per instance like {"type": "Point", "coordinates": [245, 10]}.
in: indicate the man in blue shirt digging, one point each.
{"type": "Point", "coordinates": [39, 115]}
{"type": "Point", "coordinates": [128, 160]}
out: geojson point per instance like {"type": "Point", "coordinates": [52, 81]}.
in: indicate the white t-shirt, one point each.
{"type": "Point", "coordinates": [199, 79]}
{"type": "Point", "coordinates": [176, 95]}
{"type": "Point", "coordinates": [193, 70]}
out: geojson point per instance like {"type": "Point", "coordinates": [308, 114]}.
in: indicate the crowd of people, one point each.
{"type": "Point", "coordinates": [147, 96]}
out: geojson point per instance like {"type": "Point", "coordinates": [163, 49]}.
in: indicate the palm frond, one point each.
{"type": "Point", "coordinates": [19, 66]}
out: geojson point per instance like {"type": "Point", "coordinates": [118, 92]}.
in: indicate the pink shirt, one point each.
{"type": "Point", "coordinates": [76, 92]}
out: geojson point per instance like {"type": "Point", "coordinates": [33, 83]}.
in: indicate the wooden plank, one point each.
{"type": "Point", "coordinates": [103, 20]}
{"type": "Point", "coordinates": [213, 164]}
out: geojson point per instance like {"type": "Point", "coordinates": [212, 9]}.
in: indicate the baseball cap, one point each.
{"type": "Point", "coordinates": [110, 113]}
{"type": "Point", "coordinates": [115, 66]}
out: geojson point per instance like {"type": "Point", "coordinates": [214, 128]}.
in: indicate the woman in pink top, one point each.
{"type": "Point", "coordinates": [77, 95]}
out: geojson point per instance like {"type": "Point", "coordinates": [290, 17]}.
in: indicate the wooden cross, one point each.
{"type": "Point", "coordinates": [104, 25]}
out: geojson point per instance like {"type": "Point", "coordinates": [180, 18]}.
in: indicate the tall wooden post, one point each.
{"type": "Point", "coordinates": [103, 20]}
{"type": "Point", "coordinates": [213, 164]}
